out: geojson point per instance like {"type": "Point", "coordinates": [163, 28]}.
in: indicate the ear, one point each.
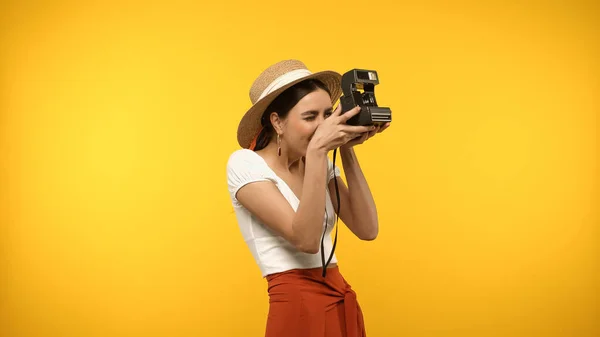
{"type": "Point", "coordinates": [276, 122]}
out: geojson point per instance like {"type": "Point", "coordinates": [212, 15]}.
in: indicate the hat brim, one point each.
{"type": "Point", "coordinates": [250, 123]}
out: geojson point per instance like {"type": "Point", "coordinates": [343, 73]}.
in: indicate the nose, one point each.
{"type": "Point", "coordinates": [320, 119]}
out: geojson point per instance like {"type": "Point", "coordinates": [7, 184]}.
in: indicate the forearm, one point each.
{"type": "Point", "coordinates": [362, 204]}
{"type": "Point", "coordinates": [308, 222]}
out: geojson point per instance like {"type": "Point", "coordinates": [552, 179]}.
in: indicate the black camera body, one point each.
{"type": "Point", "coordinates": [358, 89]}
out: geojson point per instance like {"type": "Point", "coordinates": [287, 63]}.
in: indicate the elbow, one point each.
{"type": "Point", "coordinates": [311, 250]}
{"type": "Point", "coordinates": [308, 248]}
{"type": "Point", "coordinates": [369, 236]}
{"type": "Point", "coordinates": [308, 245]}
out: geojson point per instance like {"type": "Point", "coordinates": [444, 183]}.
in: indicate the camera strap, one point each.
{"type": "Point", "coordinates": [337, 195]}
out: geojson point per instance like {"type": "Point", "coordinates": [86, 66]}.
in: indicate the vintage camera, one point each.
{"type": "Point", "coordinates": [358, 88]}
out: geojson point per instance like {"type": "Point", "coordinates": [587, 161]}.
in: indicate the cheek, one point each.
{"type": "Point", "coordinates": [300, 132]}
{"type": "Point", "coordinates": [304, 130]}
{"type": "Point", "coordinates": [307, 129]}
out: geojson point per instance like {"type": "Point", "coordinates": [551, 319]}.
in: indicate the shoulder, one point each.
{"type": "Point", "coordinates": [249, 163]}
{"type": "Point", "coordinates": [246, 166]}
{"type": "Point", "coordinates": [242, 158]}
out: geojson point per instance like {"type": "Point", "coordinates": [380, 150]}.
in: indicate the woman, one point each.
{"type": "Point", "coordinates": [281, 183]}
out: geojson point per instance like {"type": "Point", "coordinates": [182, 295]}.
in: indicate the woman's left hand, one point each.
{"type": "Point", "coordinates": [367, 135]}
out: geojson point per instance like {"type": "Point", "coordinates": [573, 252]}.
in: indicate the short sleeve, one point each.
{"type": "Point", "coordinates": [332, 170]}
{"type": "Point", "coordinates": [244, 167]}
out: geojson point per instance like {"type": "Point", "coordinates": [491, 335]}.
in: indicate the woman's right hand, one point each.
{"type": "Point", "coordinates": [333, 132]}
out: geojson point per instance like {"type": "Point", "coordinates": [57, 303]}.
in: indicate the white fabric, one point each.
{"type": "Point", "coordinates": [272, 252]}
{"type": "Point", "coordinates": [283, 80]}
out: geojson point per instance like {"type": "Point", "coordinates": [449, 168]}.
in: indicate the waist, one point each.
{"type": "Point", "coordinates": [314, 272]}
{"type": "Point", "coordinates": [310, 281]}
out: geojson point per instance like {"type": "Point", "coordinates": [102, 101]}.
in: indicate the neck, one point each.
{"type": "Point", "coordinates": [286, 161]}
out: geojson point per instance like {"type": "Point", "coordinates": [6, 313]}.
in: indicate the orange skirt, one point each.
{"type": "Point", "coordinates": [303, 303]}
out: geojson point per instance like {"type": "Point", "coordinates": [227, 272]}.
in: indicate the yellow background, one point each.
{"type": "Point", "coordinates": [117, 119]}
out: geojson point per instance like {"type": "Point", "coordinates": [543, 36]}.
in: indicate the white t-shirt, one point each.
{"type": "Point", "coordinates": [272, 252]}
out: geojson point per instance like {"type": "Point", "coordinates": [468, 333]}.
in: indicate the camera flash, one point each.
{"type": "Point", "coordinates": [372, 76]}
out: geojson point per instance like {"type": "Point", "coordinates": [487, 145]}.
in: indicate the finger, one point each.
{"type": "Point", "coordinates": [337, 111]}
{"type": "Point", "coordinates": [350, 113]}
{"type": "Point", "coordinates": [385, 126]}
{"type": "Point", "coordinates": [377, 129]}
{"type": "Point", "coordinates": [373, 133]}
{"type": "Point", "coordinates": [360, 139]}
{"type": "Point", "coordinates": [365, 136]}
{"type": "Point", "coordinates": [355, 137]}
{"type": "Point", "coordinates": [357, 128]}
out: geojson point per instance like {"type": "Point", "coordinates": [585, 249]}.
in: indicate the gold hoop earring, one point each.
{"type": "Point", "coordinates": [278, 145]}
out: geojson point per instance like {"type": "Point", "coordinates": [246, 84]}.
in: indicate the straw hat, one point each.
{"type": "Point", "coordinates": [272, 82]}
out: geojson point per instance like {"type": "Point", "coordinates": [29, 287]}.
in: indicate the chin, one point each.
{"type": "Point", "coordinates": [301, 150]}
